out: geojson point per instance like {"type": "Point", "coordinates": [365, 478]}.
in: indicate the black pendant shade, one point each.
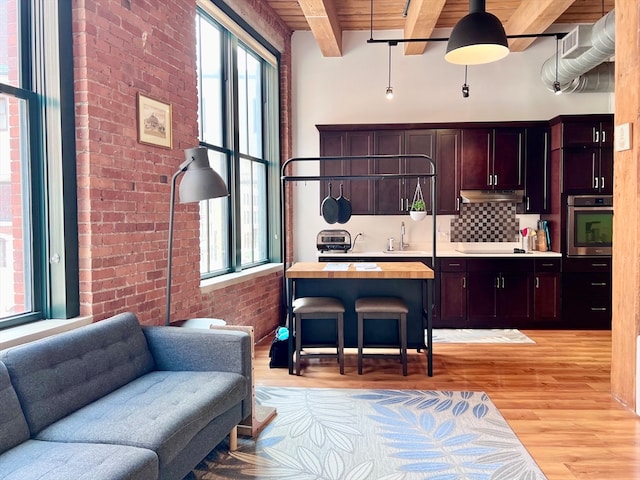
{"type": "Point", "coordinates": [477, 38]}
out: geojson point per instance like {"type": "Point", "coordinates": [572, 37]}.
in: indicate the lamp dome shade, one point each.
{"type": "Point", "coordinates": [200, 181]}
{"type": "Point", "coordinates": [477, 38]}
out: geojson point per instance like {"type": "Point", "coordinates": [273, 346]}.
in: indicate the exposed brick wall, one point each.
{"type": "Point", "coordinates": [122, 48]}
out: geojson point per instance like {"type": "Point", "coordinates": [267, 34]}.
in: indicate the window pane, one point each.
{"type": "Point", "coordinates": [9, 43]}
{"type": "Point", "coordinates": [253, 208]}
{"type": "Point", "coordinates": [15, 219]}
{"type": "Point", "coordinates": [250, 103]}
{"type": "Point", "coordinates": [210, 83]}
{"type": "Point", "coordinates": [214, 224]}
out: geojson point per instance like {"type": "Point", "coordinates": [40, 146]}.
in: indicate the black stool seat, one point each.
{"type": "Point", "coordinates": [385, 308]}
{"type": "Point", "coordinates": [319, 308]}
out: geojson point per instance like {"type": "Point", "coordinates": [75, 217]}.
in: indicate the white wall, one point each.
{"type": "Point", "coordinates": [351, 89]}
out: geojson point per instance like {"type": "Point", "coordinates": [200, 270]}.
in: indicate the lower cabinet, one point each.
{"type": "Point", "coordinates": [546, 292]}
{"type": "Point", "coordinates": [586, 293]}
{"type": "Point", "coordinates": [453, 294]}
{"type": "Point", "coordinates": [499, 293]}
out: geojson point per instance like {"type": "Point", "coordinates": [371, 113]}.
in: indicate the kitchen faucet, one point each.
{"type": "Point", "coordinates": [402, 233]}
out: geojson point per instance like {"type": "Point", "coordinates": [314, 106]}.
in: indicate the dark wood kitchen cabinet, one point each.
{"type": "Point", "coordinates": [586, 292]}
{"type": "Point", "coordinates": [448, 151]}
{"type": "Point", "coordinates": [537, 165]}
{"type": "Point", "coordinates": [584, 144]}
{"type": "Point", "coordinates": [394, 197]}
{"type": "Point", "coordinates": [453, 293]}
{"type": "Point", "coordinates": [499, 293]}
{"type": "Point", "coordinates": [339, 144]}
{"type": "Point", "coordinates": [492, 158]}
{"type": "Point", "coordinates": [547, 292]}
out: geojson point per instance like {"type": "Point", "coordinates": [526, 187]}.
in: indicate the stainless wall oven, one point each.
{"type": "Point", "coordinates": [589, 225]}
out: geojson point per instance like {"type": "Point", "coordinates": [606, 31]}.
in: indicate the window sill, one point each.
{"type": "Point", "coordinates": [29, 332]}
{"type": "Point", "coordinates": [212, 284]}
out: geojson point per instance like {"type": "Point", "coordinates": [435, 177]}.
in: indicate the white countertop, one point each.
{"type": "Point", "coordinates": [481, 250]}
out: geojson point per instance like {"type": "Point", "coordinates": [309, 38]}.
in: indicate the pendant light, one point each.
{"type": "Point", "coordinates": [477, 38]}
{"type": "Point", "coordinates": [389, 93]}
{"type": "Point", "coordinates": [556, 84]}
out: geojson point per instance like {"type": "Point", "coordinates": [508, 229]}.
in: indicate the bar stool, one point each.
{"type": "Point", "coordinates": [385, 308]}
{"type": "Point", "coordinates": [323, 308]}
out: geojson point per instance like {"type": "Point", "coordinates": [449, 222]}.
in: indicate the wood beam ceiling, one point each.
{"type": "Point", "coordinates": [422, 17]}
{"type": "Point", "coordinates": [533, 17]}
{"type": "Point", "coordinates": [323, 21]}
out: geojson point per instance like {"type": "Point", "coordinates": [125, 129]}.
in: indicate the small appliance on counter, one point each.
{"type": "Point", "coordinates": [333, 241]}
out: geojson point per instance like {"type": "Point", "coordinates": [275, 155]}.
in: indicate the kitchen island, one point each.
{"type": "Point", "coordinates": [412, 281]}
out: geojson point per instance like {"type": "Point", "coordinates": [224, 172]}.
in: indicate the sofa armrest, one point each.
{"type": "Point", "coordinates": [194, 349]}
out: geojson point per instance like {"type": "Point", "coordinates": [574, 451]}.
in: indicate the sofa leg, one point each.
{"type": "Point", "coordinates": [233, 439]}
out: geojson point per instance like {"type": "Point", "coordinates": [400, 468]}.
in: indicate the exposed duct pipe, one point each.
{"type": "Point", "coordinates": [580, 74]}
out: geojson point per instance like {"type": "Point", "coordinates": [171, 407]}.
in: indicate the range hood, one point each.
{"type": "Point", "coordinates": [487, 196]}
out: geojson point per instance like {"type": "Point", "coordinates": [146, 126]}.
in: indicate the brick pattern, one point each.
{"type": "Point", "coordinates": [485, 222]}
{"type": "Point", "coordinates": [122, 48]}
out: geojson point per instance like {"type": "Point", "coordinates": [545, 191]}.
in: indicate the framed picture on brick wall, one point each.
{"type": "Point", "coordinates": [154, 122]}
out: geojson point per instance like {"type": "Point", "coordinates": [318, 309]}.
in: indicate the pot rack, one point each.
{"type": "Point", "coordinates": [284, 178]}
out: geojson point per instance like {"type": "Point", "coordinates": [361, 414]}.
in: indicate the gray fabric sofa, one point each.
{"type": "Point", "coordinates": [114, 400]}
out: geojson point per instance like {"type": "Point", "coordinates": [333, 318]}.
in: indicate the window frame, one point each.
{"type": "Point", "coordinates": [47, 87]}
{"type": "Point", "coordinates": [220, 16]}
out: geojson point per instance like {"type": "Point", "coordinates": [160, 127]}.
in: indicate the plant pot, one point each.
{"type": "Point", "coordinates": [416, 216]}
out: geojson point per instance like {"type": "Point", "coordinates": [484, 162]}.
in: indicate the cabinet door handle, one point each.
{"type": "Point", "coordinates": [464, 282]}
{"type": "Point", "coordinates": [598, 309]}
{"type": "Point", "coordinates": [601, 182]}
{"type": "Point", "coordinates": [454, 264]}
{"type": "Point", "coordinates": [599, 265]}
{"type": "Point", "coordinates": [547, 264]}
{"type": "Point", "coordinates": [598, 284]}
{"type": "Point", "coordinates": [596, 135]}
{"type": "Point", "coordinates": [537, 282]}
{"type": "Point", "coordinates": [528, 204]}
{"type": "Point", "coordinates": [490, 180]}
{"type": "Point", "coordinates": [604, 136]}
{"type": "Point", "coordinates": [458, 204]}
{"type": "Point", "coordinates": [497, 285]}
{"type": "Point", "coordinates": [595, 182]}
{"type": "Point", "coordinates": [495, 180]}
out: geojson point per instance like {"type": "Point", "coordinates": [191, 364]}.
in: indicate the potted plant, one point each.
{"type": "Point", "coordinates": [418, 208]}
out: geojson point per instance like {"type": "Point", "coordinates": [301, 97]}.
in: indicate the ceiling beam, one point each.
{"type": "Point", "coordinates": [422, 17]}
{"type": "Point", "coordinates": [533, 17]}
{"type": "Point", "coordinates": [322, 18]}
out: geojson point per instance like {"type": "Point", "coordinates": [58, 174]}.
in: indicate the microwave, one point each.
{"type": "Point", "coordinates": [589, 225]}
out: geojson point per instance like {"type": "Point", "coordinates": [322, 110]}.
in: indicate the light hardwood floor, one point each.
{"type": "Point", "coordinates": [555, 394]}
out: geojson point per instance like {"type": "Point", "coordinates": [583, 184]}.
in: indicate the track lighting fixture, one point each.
{"type": "Point", "coordinates": [556, 84]}
{"type": "Point", "coordinates": [389, 87]}
{"type": "Point", "coordinates": [465, 87]}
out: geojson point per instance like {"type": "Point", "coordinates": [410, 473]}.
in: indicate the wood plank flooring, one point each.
{"type": "Point", "coordinates": [555, 394]}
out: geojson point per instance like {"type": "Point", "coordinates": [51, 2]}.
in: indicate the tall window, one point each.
{"type": "Point", "coordinates": [238, 120]}
{"type": "Point", "coordinates": [38, 261]}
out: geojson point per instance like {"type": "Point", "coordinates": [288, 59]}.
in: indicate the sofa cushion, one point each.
{"type": "Point", "coordinates": [36, 460]}
{"type": "Point", "coordinates": [13, 425]}
{"type": "Point", "coordinates": [62, 373]}
{"type": "Point", "coordinates": [161, 411]}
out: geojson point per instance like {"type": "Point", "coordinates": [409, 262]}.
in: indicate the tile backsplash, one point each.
{"type": "Point", "coordinates": [486, 222]}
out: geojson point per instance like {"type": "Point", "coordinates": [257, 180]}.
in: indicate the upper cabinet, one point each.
{"type": "Point", "coordinates": [584, 146]}
{"type": "Point", "coordinates": [537, 163]}
{"type": "Point", "coordinates": [492, 158]}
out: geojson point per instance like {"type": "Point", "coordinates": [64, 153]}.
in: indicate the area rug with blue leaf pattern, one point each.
{"type": "Point", "coordinates": [351, 434]}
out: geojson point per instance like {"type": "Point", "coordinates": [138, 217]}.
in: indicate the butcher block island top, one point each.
{"type": "Point", "coordinates": [382, 270]}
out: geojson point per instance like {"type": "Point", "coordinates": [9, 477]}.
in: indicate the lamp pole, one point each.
{"type": "Point", "coordinates": [174, 180]}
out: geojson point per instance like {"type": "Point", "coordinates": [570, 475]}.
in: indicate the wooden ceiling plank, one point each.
{"type": "Point", "coordinates": [533, 17]}
{"type": "Point", "coordinates": [422, 18]}
{"type": "Point", "coordinates": [323, 21]}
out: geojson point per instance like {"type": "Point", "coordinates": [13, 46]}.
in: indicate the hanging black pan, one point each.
{"type": "Point", "coordinates": [329, 208]}
{"type": "Point", "coordinates": [344, 208]}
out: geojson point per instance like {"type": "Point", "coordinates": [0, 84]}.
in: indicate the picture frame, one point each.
{"type": "Point", "coordinates": [154, 122]}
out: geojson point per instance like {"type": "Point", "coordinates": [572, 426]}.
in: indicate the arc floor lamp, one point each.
{"type": "Point", "coordinates": [200, 182]}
